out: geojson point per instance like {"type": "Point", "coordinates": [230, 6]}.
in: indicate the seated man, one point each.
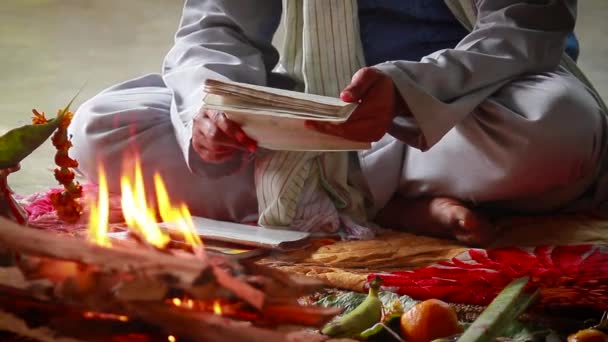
{"type": "Point", "coordinates": [461, 121]}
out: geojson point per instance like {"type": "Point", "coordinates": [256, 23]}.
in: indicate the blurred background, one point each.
{"type": "Point", "coordinates": [50, 48]}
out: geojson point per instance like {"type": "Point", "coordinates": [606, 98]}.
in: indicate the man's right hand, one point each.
{"type": "Point", "coordinates": [217, 139]}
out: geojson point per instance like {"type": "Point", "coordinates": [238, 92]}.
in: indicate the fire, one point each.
{"type": "Point", "coordinates": [106, 316]}
{"type": "Point", "coordinates": [140, 215]}
{"type": "Point", "coordinates": [217, 308]}
{"type": "Point", "coordinates": [178, 216]}
{"type": "Point", "coordinates": [98, 222]}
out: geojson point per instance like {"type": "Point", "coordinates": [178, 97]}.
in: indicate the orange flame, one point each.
{"type": "Point", "coordinates": [176, 301]}
{"type": "Point", "coordinates": [106, 316]}
{"type": "Point", "coordinates": [98, 221]}
{"type": "Point", "coordinates": [217, 308]}
{"type": "Point", "coordinates": [139, 215]}
{"type": "Point", "coordinates": [178, 216]}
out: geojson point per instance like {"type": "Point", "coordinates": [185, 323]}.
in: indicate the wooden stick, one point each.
{"type": "Point", "coordinates": [184, 272]}
{"type": "Point", "coordinates": [188, 273]}
{"type": "Point", "coordinates": [201, 326]}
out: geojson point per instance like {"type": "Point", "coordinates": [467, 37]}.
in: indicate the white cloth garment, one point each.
{"type": "Point", "coordinates": [495, 120]}
{"type": "Point", "coordinates": [307, 190]}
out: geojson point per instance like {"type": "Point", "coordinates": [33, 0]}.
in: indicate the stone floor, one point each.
{"type": "Point", "coordinates": [52, 48]}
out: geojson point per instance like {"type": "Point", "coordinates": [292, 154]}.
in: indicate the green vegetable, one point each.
{"type": "Point", "coordinates": [350, 300]}
{"type": "Point", "coordinates": [500, 314]}
{"type": "Point", "coordinates": [364, 316]}
{"type": "Point", "coordinates": [387, 330]}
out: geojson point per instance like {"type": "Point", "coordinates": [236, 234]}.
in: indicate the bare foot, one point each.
{"type": "Point", "coordinates": [442, 217]}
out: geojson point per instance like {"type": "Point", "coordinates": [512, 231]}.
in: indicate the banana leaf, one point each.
{"type": "Point", "coordinates": [498, 317]}
{"type": "Point", "coordinates": [20, 142]}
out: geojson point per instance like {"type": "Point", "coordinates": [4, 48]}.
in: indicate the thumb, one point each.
{"type": "Point", "coordinates": [361, 82]}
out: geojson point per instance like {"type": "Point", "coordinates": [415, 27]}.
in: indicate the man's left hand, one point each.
{"type": "Point", "coordinates": [378, 104]}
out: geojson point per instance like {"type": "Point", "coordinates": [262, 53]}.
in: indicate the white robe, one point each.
{"type": "Point", "coordinates": [495, 120]}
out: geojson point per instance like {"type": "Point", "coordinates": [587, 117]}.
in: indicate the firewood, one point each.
{"type": "Point", "coordinates": [16, 325]}
{"type": "Point", "coordinates": [64, 278]}
{"type": "Point", "coordinates": [179, 272]}
{"type": "Point", "coordinates": [201, 326]}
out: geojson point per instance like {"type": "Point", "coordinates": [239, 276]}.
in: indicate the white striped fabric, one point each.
{"type": "Point", "coordinates": [308, 190]}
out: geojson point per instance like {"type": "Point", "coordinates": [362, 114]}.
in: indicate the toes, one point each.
{"type": "Point", "coordinates": [466, 225]}
{"type": "Point", "coordinates": [477, 231]}
{"type": "Point", "coordinates": [451, 213]}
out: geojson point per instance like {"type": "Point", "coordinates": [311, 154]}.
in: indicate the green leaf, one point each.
{"type": "Point", "coordinates": [498, 317]}
{"type": "Point", "coordinates": [20, 142]}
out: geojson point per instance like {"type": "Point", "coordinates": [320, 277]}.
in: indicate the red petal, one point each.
{"type": "Point", "coordinates": [568, 258]}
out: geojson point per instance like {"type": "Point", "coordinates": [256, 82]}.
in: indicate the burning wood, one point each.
{"type": "Point", "coordinates": [125, 285]}
{"type": "Point", "coordinates": [144, 286]}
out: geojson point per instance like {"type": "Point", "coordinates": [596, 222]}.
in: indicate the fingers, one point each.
{"type": "Point", "coordinates": [361, 126]}
{"type": "Point", "coordinates": [231, 131]}
{"type": "Point", "coordinates": [361, 82]}
{"type": "Point", "coordinates": [216, 138]}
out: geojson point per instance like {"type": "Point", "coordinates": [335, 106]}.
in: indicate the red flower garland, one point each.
{"type": "Point", "coordinates": [573, 276]}
{"type": "Point", "coordinates": [66, 202]}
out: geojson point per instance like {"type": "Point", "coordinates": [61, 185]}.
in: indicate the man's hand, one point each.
{"type": "Point", "coordinates": [217, 139]}
{"type": "Point", "coordinates": [379, 102]}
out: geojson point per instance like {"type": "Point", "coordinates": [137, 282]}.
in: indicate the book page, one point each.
{"type": "Point", "coordinates": [246, 234]}
{"type": "Point", "coordinates": [259, 95]}
{"type": "Point", "coordinates": [224, 104]}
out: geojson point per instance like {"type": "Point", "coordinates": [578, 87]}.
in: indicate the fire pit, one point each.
{"type": "Point", "coordinates": [146, 288]}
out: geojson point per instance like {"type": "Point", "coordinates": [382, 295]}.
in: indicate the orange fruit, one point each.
{"type": "Point", "coordinates": [588, 335]}
{"type": "Point", "coordinates": [429, 320]}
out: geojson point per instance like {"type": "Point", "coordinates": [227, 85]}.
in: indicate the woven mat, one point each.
{"type": "Point", "coordinates": [346, 264]}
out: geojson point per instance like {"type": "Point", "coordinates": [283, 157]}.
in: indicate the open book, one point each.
{"type": "Point", "coordinates": [275, 117]}
{"type": "Point", "coordinates": [246, 235]}
{"type": "Point", "coordinates": [222, 234]}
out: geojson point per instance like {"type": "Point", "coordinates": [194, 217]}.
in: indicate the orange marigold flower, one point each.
{"type": "Point", "coordinates": [75, 189]}
{"type": "Point", "coordinates": [64, 176]}
{"type": "Point", "coordinates": [66, 202]}
{"type": "Point", "coordinates": [61, 142]}
{"type": "Point", "coordinates": [68, 209]}
{"type": "Point", "coordinates": [62, 159]}
{"type": "Point", "coordinates": [65, 120]}
{"type": "Point", "coordinates": [39, 118]}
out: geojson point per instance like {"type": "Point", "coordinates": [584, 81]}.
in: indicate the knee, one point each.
{"type": "Point", "coordinates": [139, 101]}
{"type": "Point", "coordinates": [561, 139]}
{"type": "Point", "coordinates": [569, 135]}
{"type": "Point", "coordinates": [111, 123]}
{"type": "Point", "coordinates": [87, 131]}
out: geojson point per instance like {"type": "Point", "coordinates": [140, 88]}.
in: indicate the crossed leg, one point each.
{"type": "Point", "coordinates": [534, 146]}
